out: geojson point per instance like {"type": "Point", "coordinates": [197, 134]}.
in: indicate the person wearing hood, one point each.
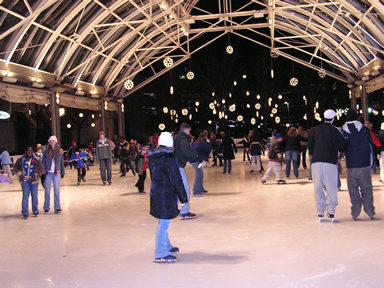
{"type": "Point", "coordinates": [324, 144]}
{"type": "Point", "coordinates": [166, 188]}
{"type": "Point", "coordinates": [359, 159]}
{"type": "Point", "coordinates": [29, 169]}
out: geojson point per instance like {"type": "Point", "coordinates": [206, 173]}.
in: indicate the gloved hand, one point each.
{"type": "Point", "coordinates": [21, 178]}
{"type": "Point", "coordinates": [62, 176]}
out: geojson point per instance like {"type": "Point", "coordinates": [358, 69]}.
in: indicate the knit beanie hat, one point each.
{"type": "Point", "coordinates": [53, 138]}
{"type": "Point", "coordinates": [166, 139]}
{"type": "Point", "coordinates": [352, 115]}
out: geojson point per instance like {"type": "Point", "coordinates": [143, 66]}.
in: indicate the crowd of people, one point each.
{"type": "Point", "coordinates": [167, 155]}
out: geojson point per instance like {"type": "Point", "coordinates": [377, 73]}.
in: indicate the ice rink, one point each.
{"type": "Point", "coordinates": [246, 235]}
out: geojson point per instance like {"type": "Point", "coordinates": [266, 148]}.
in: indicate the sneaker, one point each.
{"type": "Point", "coordinates": [174, 250]}
{"type": "Point", "coordinates": [281, 182]}
{"type": "Point", "coordinates": [166, 259]}
{"type": "Point", "coordinates": [263, 181]}
{"type": "Point", "coordinates": [58, 211]}
{"type": "Point", "coordinates": [332, 217]}
{"type": "Point", "coordinates": [188, 216]}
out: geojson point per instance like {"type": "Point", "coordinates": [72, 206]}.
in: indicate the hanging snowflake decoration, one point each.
{"type": "Point", "coordinates": [161, 126]}
{"type": "Point", "coordinates": [253, 121]}
{"type": "Point", "coordinates": [274, 54]}
{"type": "Point", "coordinates": [240, 118]}
{"type": "Point", "coordinates": [322, 73]}
{"type": "Point", "coordinates": [274, 110]}
{"type": "Point", "coordinates": [258, 106]}
{"type": "Point", "coordinates": [294, 81]}
{"type": "Point", "coordinates": [171, 90]}
{"type": "Point", "coordinates": [129, 84]}
{"type": "Point", "coordinates": [229, 49]}
{"type": "Point", "coordinates": [184, 112]}
{"type": "Point", "coordinates": [168, 62]}
{"type": "Point", "coordinates": [277, 119]}
{"type": "Point", "coordinates": [190, 75]}
{"type": "Point", "coordinates": [165, 110]}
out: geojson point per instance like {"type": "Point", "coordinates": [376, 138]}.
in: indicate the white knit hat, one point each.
{"type": "Point", "coordinates": [53, 137]}
{"type": "Point", "coordinates": [166, 139]}
{"type": "Point", "coordinates": [329, 114]}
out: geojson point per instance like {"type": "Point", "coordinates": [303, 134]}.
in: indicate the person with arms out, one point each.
{"type": "Point", "coordinates": [79, 159]}
{"type": "Point", "coordinates": [185, 153]}
{"type": "Point", "coordinates": [324, 144]}
{"type": "Point", "coordinates": [29, 169]}
{"type": "Point", "coordinates": [359, 157]}
{"type": "Point", "coordinates": [53, 163]}
{"type": "Point", "coordinates": [104, 157]}
{"type": "Point", "coordinates": [167, 188]}
{"type": "Point", "coordinates": [275, 156]}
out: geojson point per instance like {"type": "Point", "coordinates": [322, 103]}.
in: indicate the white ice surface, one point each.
{"type": "Point", "coordinates": [246, 235]}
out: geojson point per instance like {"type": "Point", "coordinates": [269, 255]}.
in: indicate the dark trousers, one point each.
{"type": "Point", "coordinates": [140, 181]}
{"type": "Point", "coordinates": [125, 165]}
{"type": "Point", "coordinates": [81, 172]}
{"type": "Point", "coordinates": [105, 164]}
{"type": "Point", "coordinates": [215, 157]}
{"type": "Point", "coordinates": [303, 155]}
{"type": "Point", "coordinates": [245, 152]}
{"type": "Point", "coordinates": [227, 163]}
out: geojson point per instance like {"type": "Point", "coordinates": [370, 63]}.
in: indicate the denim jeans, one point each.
{"type": "Point", "coordinates": [163, 245]}
{"type": "Point", "coordinates": [185, 208]}
{"type": "Point", "coordinates": [227, 162]}
{"type": "Point", "coordinates": [291, 156]}
{"type": "Point", "coordinates": [55, 178]}
{"type": "Point", "coordinates": [303, 155]}
{"type": "Point", "coordinates": [325, 175]}
{"type": "Point", "coordinates": [360, 178]}
{"type": "Point", "coordinates": [105, 164]}
{"type": "Point", "coordinates": [29, 188]}
{"type": "Point", "coordinates": [198, 183]}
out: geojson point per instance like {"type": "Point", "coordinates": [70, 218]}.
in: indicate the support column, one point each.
{"type": "Point", "coordinates": [364, 102]}
{"type": "Point", "coordinates": [353, 98]}
{"type": "Point", "coordinates": [103, 124]}
{"type": "Point", "coordinates": [120, 120]}
{"type": "Point", "coordinates": [55, 122]}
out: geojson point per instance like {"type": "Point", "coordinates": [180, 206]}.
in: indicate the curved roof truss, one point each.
{"type": "Point", "coordinates": [101, 43]}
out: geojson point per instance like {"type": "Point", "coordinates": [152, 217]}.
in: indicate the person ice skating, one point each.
{"type": "Point", "coordinates": [324, 144]}
{"type": "Point", "coordinates": [29, 168]}
{"type": "Point", "coordinates": [79, 159]}
{"type": "Point", "coordinates": [359, 157]}
{"type": "Point", "coordinates": [104, 157]}
{"type": "Point", "coordinates": [256, 149]}
{"type": "Point", "coordinates": [166, 188]}
{"type": "Point", "coordinates": [202, 148]}
{"type": "Point", "coordinates": [53, 163]}
{"type": "Point", "coordinates": [184, 153]}
{"type": "Point", "coordinates": [381, 139]}
{"type": "Point", "coordinates": [228, 148]}
{"type": "Point", "coordinates": [275, 156]}
{"type": "Point", "coordinates": [6, 162]}
{"type": "Point", "coordinates": [292, 148]}
{"type": "Point", "coordinates": [142, 164]}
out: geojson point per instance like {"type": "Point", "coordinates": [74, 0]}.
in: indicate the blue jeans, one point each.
{"type": "Point", "coordinates": [55, 178]}
{"type": "Point", "coordinates": [185, 208]}
{"type": "Point", "coordinates": [163, 245]}
{"type": "Point", "coordinates": [198, 183]}
{"type": "Point", "coordinates": [291, 156]}
{"type": "Point", "coordinates": [227, 162]}
{"type": "Point", "coordinates": [29, 187]}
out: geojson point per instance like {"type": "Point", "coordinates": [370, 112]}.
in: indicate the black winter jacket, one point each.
{"type": "Point", "coordinates": [227, 147]}
{"type": "Point", "coordinates": [324, 143]}
{"type": "Point", "coordinates": [166, 184]}
{"type": "Point", "coordinates": [183, 150]}
{"type": "Point", "coordinates": [292, 143]}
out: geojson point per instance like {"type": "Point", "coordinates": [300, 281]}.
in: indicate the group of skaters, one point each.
{"type": "Point", "coordinates": [167, 155]}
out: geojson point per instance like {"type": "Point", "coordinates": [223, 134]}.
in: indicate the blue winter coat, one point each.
{"type": "Point", "coordinates": [202, 149]}
{"type": "Point", "coordinates": [166, 184]}
{"type": "Point", "coordinates": [359, 152]}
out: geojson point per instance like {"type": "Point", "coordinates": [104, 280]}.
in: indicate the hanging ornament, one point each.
{"type": "Point", "coordinates": [274, 54]}
{"type": "Point", "coordinates": [184, 112]}
{"type": "Point", "coordinates": [190, 75]}
{"type": "Point", "coordinates": [212, 105]}
{"type": "Point", "coordinates": [277, 119]}
{"type": "Point", "coordinates": [229, 49]}
{"type": "Point", "coordinates": [209, 122]}
{"type": "Point", "coordinates": [294, 81]}
{"type": "Point", "coordinates": [171, 90]}
{"type": "Point", "coordinates": [161, 126]}
{"type": "Point", "coordinates": [128, 84]}
{"type": "Point", "coordinates": [274, 110]}
{"type": "Point", "coordinates": [197, 103]}
{"type": "Point", "coordinates": [272, 74]}
{"type": "Point", "coordinates": [322, 73]}
{"type": "Point", "coordinates": [258, 106]}
{"type": "Point", "coordinates": [165, 110]}
{"type": "Point", "coordinates": [248, 106]}
{"type": "Point", "coordinates": [240, 118]}
{"type": "Point", "coordinates": [253, 121]}
{"type": "Point", "coordinates": [168, 62]}
{"type": "Point", "coordinates": [232, 108]}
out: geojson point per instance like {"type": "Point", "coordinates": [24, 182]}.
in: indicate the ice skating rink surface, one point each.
{"type": "Point", "coordinates": [246, 235]}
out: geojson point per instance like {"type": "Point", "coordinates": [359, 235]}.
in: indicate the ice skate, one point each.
{"type": "Point", "coordinates": [320, 218]}
{"type": "Point", "coordinates": [331, 217]}
{"type": "Point", "coordinates": [166, 259]}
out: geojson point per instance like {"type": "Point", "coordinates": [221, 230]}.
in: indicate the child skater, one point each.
{"type": "Point", "coordinates": [142, 163]}
{"type": "Point", "coordinates": [275, 156]}
{"type": "Point", "coordinates": [79, 158]}
{"type": "Point", "coordinates": [166, 187]}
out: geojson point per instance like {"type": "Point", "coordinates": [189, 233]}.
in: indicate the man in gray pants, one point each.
{"type": "Point", "coordinates": [104, 156]}
{"type": "Point", "coordinates": [324, 144]}
{"type": "Point", "coordinates": [359, 158]}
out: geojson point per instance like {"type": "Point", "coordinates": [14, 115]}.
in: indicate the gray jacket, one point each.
{"type": "Point", "coordinates": [103, 150]}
